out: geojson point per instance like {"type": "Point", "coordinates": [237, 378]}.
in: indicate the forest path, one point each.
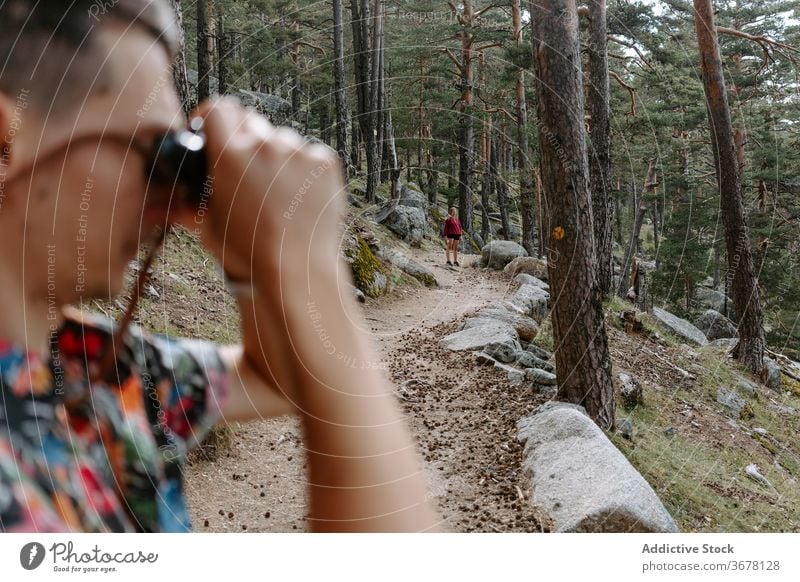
{"type": "Point", "coordinates": [462, 417]}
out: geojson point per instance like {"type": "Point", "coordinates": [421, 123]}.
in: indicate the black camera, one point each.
{"type": "Point", "coordinates": [179, 162]}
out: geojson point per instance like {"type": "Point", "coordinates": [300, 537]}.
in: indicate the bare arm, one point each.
{"type": "Point", "coordinates": [277, 204]}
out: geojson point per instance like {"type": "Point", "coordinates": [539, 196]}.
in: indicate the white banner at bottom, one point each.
{"type": "Point", "coordinates": [372, 557]}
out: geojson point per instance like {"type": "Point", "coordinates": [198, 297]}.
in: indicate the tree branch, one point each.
{"type": "Point", "coordinates": [631, 46]}
{"type": "Point", "coordinates": [631, 92]}
{"type": "Point", "coordinates": [480, 12]}
{"type": "Point", "coordinates": [453, 58]}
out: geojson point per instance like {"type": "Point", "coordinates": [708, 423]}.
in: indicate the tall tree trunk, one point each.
{"type": "Point", "coordinates": [364, 67]}
{"type": "Point", "coordinates": [741, 273]}
{"type": "Point", "coordinates": [340, 88]}
{"type": "Point", "coordinates": [466, 138]}
{"type": "Point", "coordinates": [179, 66]}
{"type": "Point", "coordinates": [375, 99]}
{"type": "Point", "coordinates": [636, 229]}
{"type": "Point", "coordinates": [600, 151]}
{"type": "Point", "coordinates": [541, 216]}
{"type": "Point", "coordinates": [583, 365]}
{"type": "Point", "coordinates": [203, 58]}
{"type": "Point", "coordinates": [222, 55]}
{"type": "Point", "coordinates": [355, 144]}
{"type": "Point", "coordinates": [526, 193]}
{"type": "Point", "coordinates": [391, 154]}
{"type": "Point", "coordinates": [501, 188]}
{"type": "Point", "coordinates": [486, 193]}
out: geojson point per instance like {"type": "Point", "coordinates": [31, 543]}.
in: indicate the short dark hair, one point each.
{"type": "Point", "coordinates": [49, 50]}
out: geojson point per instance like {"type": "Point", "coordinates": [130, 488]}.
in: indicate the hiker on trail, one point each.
{"type": "Point", "coordinates": [90, 447]}
{"type": "Point", "coordinates": [452, 236]}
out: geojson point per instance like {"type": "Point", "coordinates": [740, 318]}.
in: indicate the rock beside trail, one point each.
{"type": "Point", "coordinates": [528, 359]}
{"type": "Point", "coordinates": [504, 352]}
{"type": "Point", "coordinates": [540, 377]}
{"type": "Point", "coordinates": [409, 266]}
{"type": "Point", "coordinates": [581, 480]}
{"type": "Point", "coordinates": [525, 279]}
{"type": "Point", "coordinates": [532, 301]}
{"type": "Point", "coordinates": [498, 253]}
{"type": "Point", "coordinates": [727, 342]}
{"type": "Point", "coordinates": [630, 390]}
{"type": "Point", "coordinates": [747, 387]}
{"type": "Point", "coordinates": [515, 377]}
{"type": "Point", "coordinates": [732, 403]}
{"type": "Point", "coordinates": [774, 381]}
{"type": "Point", "coordinates": [528, 265]}
{"type": "Point", "coordinates": [412, 196]}
{"type": "Point", "coordinates": [715, 325]}
{"type": "Point", "coordinates": [359, 295]}
{"type": "Point", "coordinates": [526, 327]}
{"type": "Point", "coordinates": [679, 327]}
{"type": "Point", "coordinates": [710, 298]}
{"type": "Point", "coordinates": [538, 352]}
{"type": "Point", "coordinates": [407, 222]}
{"type": "Point", "coordinates": [476, 338]}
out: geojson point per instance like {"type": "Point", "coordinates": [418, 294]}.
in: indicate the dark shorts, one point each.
{"type": "Point", "coordinates": [454, 236]}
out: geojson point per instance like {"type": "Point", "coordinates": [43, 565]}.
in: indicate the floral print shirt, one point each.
{"type": "Point", "coordinates": [98, 457]}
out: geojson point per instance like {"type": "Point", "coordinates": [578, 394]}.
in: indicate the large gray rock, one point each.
{"type": "Point", "coordinates": [528, 265]}
{"type": "Point", "coordinates": [532, 300]}
{"type": "Point", "coordinates": [515, 377]}
{"type": "Point", "coordinates": [747, 387]}
{"type": "Point", "coordinates": [526, 327]}
{"type": "Point", "coordinates": [538, 352]}
{"type": "Point", "coordinates": [527, 359]}
{"type": "Point", "coordinates": [710, 298]}
{"type": "Point", "coordinates": [731, 402]}
{"type": "Point", "coordinates": [774, 381]}
{"type": "Point", "coordinates": [502, 352]}
{"type": "Point", "coordinates": [277, 109]}
{"type": "Point", "coordinates": [727, 342]}
{"type": "Point", "coordinates": [477, 338]}
{"type": "Point", "coordinates": [581, 480]}
{"type": "Point", "coordinates": [715, 325]}
{"type": "Point", "coordinates": [630, 390]}
{"type": "Point", "coordinates": [540, 377]}
{"type": "Point", "coordinates": [411, 195]}
{"type": "Point", "coordinates": [498, 253]}
{"type": "Point", "coordinates": [679, 327]}
{"type": "Point", "coordinates": [409, 266]}
{"type": "Point", "coordinates": [407, 222]}
{"type": "Point", "coordinates": [525, 279]}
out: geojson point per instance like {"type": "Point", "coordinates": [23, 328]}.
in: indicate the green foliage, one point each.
{"type": "Point", "coordinates": [285, 48]}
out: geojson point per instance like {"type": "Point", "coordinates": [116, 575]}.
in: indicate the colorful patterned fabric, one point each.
{"type": "Point", "coordinates": [83, 456]}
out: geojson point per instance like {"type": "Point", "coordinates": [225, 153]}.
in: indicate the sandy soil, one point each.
{"type": "Point", "coordinates": [462, 416]}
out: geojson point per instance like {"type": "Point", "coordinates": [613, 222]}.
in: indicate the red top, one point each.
{"type": "Point", "coordinates": [452, 226]}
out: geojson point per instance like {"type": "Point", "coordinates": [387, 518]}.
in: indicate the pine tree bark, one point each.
{"type": "Point", "coordinates": [203, 58]}
{"type": "Point", "coordinates": [583, 365]}
{"type": "Point", "coordinates": [526, 190]}
{"type": "Point", "coordinates": [179, 66]}
{"type": "Point", "coordinates": [466, 138]}
{"type": "Point", "coordinates": [365, 89]}
{"type": "Point", "coordinates": [600, 151]}
{"type": "Point", "coordinates": [741, 273]}
{"type": "Point", "coordinates": [340, 88]}
{"type": "Point", "coordinates": [375, 142]}
{"type": "Point", "coordinates": [222, 55]}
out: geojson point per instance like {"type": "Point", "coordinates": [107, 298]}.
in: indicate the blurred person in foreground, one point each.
{"type": "Point", "coordinates": [83, 97]}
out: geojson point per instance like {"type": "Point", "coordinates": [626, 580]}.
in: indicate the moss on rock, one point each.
{"type": "Point", "coordinates": [369, 274]}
